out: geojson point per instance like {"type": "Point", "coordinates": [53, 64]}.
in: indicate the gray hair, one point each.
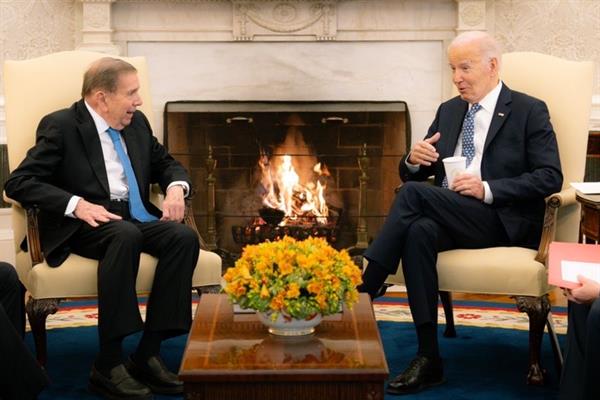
{"type": "Point", "coordinates": [488, 46]}
{"type": "Point", "coordinates": [104, 74]}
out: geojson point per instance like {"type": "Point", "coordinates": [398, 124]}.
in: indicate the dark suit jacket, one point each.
{"type": "Point", "coordinates": [520, 160]}
{"type": "Point", "coordinates": [67, 160]}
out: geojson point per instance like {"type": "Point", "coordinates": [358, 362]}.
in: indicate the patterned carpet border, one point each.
{"type": "Point", "coordinates": [488, 317]}
{"type": "Point", "coordinates": [480, 314]}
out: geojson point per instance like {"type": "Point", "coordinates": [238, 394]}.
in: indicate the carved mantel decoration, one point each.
{"type": "Point", "coordinates": [471, 15]}
{"type": "Point", "coordinates": [278, 20]}
{"type": "Point", "coordinates": [96, 31]}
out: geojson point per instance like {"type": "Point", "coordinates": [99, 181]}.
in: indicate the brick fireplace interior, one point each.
{"type": "Point", "coordinates": [239, 135]}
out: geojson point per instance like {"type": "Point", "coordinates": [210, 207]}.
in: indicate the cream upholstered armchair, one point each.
{"type": "Point", "coordinates": [34, 88]}
{"type": "Point", "coordinates": [566, 87]}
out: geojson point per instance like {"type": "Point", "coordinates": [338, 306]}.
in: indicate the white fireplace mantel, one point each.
{"type": "Point", "coordinates": [285, 20]}
{"type": "Point", "coordinates": [272, 49]}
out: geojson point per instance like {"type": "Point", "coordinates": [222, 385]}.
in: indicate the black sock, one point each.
{"type": "Point", "coordinates": [110, 356]}
{"type": "Point", "coordinates": [373, 278]}
{"type": "Point", "coordinates": [428, 343]}
{"type": "Point", "coordinates": [149, 346]}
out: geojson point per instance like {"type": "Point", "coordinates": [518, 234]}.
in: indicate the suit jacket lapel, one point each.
{"type": "Point", "coordinates": [501, 114]}
{"type": "Point", "coordinates": [454, 128]}
{"type": "Point", "coordinates": [91, 143]}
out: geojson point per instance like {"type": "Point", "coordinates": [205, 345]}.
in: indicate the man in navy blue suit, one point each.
{"type": "Point", "coordinates": [512, 165]}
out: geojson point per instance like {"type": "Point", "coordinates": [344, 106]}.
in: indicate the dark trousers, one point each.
{"type": "Point", "coordinates": [20, 375]}
{"type": "Point", "coordinates": [12, 297]}
{"type": "Point", "coordinates": [117, 245]}
{"type": "Point", "coordinates": [424, 220]}
{"type": "Point", "coordinates": [580, 375]}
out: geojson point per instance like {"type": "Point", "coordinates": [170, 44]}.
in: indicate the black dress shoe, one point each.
{"type": "Point", "coordinates": [120, 385]}
{"type": "Point", "coordinates": [155, 375]}
{"type": "Point", "coordinates": [382, 290]}
{"type": "Point", "coordinates": [422, 372]}
{"type": "Point", "coordinates": [373, 294]}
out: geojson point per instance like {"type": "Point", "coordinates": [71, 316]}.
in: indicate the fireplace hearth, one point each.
{"type": "Point", "coordinates": [262, 170]}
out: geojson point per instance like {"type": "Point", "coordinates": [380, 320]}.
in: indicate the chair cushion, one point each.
{"type": "Point", "coordinates": [496, 270]}
{"type": "Point", "coordinates": [77, 277]}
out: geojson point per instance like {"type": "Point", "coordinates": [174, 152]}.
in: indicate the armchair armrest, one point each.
{"type": "Point", "coordinates": [188, 219]}
{"type": "Point", "coordinates": [553, 202]}
{"type": "Point", "coordinates": [10, 201]}
{"type": "Point", "coordinates": [565, 196]}
{"type": "Point", "coordinates": [34, 246]}
{"type": "Point", "coordinates": [188, 216]}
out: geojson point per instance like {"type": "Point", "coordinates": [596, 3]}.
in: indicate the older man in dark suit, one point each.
{"type": "Point", "coordinates": [512, 165]}
{"type": "Point", "coordinates": [89, 174]}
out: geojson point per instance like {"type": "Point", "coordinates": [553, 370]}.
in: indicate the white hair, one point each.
{"type": "Point", "coordinates": [488, 46]}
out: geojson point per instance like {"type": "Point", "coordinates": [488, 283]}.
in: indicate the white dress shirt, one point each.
{"type": "Point", "coordinates": [117, 182]}
{"type": "Point", "coordinates": [483, 120]}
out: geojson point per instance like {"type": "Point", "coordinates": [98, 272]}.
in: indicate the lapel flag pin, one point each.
{"type": "Point", "coordinates": [501, 114]}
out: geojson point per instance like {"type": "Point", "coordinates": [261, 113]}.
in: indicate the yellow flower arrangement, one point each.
{"type": "Point", "coordinates": [295, 278]}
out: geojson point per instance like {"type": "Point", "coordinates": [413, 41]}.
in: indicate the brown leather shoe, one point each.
{"type": "Point", "coordinates": [155, 374]}
{"type": "Point", "coordinates": [120, 385]}
{"type": "Point", "coordinates": [421, 373]}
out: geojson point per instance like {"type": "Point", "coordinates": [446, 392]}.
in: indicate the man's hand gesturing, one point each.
{"type": "Point", "coordinates": [424, 153]}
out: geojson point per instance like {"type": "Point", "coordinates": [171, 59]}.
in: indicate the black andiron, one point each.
{"type": "Point", "coordinates": [362, 240]}
{"type": "Point", "coordinates": [211, 225]}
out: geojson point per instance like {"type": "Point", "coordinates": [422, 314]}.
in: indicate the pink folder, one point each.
{"type": "Point", "coordinates": [560, 251]}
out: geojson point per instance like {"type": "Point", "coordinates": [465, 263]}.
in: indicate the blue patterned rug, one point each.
{"type": "Point", "coordinates": [488, 359]}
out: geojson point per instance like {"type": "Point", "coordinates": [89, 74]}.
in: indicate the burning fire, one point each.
{"type": "Point", "coordinates": [284, 191]}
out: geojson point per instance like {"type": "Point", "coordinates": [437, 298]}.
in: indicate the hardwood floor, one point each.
{"type": "Point", "coordinates": [556, 298]}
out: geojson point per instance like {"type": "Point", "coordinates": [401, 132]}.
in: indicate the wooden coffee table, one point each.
{"type": "Point", "coordinates": [232, 356]}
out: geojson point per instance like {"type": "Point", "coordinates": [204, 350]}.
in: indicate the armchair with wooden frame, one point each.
{"type": "Point", "coordinates": [34, 88]}
{"type": "Point", "coordinates": [566, 87]}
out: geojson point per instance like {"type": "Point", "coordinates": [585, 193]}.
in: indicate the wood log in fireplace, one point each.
{"type": "Point", "coordinates": [334, 134]}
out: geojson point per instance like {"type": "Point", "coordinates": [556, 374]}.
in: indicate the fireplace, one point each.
{"type": "Point", "coordinates": [346, 151]}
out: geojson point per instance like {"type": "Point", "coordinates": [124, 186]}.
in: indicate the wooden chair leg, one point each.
{"type": "Point", "coordinates": [558, 357]}
{"type": "Point", "coordinates": [537, 308]}
{"type": "Point", "coordinates": [37, 312]}
{"type": "Point", "coordinates": [446, 299]}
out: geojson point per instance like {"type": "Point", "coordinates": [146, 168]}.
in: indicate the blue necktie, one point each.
{"type": "Point", "coordinates": [468, 134]}
{"type": "Point", "coordinates": [136, 206]}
